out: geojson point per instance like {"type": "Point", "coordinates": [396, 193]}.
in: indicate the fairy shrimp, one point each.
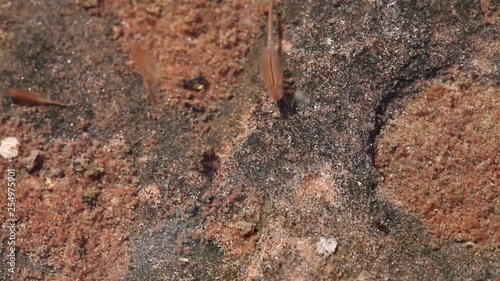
{"type": "Point", "coordinates": [271, 68]}
{"type": "Point", "coordinates": [147, 66]}
{"type": "Point", "coordinates": [22, 97]}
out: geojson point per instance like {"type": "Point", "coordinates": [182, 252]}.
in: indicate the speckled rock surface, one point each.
{"type": "Point", "coordinates": [245, 189]}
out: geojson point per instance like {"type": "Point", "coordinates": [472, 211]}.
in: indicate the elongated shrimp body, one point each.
{"type": "Point", "coordinates": [271, 68]}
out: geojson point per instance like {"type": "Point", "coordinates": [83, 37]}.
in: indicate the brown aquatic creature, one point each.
{"type": "Point", "coordinates": [23, 97]}
{"type": "Point", "coordinates": [147, 66]}
{"type": "Point", "coordinates": [271, 68]}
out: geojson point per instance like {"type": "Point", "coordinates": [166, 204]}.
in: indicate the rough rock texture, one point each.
{"type": "Point", "coordinates": [440, 159]}
{"type": "Point", "coordinates": [247, 189]}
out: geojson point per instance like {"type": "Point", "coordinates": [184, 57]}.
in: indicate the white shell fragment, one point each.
{"type": "Point", "coordinates": [9, 148]}
{"type": "Point", "coordinates": [326, 246]}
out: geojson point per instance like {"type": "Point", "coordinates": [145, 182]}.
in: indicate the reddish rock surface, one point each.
{"type": "Point", "coordinates": [217, 181]}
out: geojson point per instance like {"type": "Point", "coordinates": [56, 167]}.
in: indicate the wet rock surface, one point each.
{"type": "Point", "coordinates": [144, 193]}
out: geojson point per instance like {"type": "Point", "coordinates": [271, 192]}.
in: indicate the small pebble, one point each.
{"type": "Point", "coordinates": [246, 228]}
{"type": "Point", "coordinates": [326, 246]}
{"type": "Point", "coordinates": [57, 173]}
{"type": "Point", "coordinates": [33, 161]}
{"type": "Point", "coordinates": [80, 164]}
{"type": "Point", "coordinates": [117, 32]}
{"type": "Point", "coordinates": [87, 4]}
{"type": "Point", "coordinates": [154, 10]}
{"type": "Point", "coordinates": [9, 148]}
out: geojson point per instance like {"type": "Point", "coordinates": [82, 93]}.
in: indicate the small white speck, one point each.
{"type": "Point", "coordinates": [301, 96]}
{"type": "Point", "coordinates": [326, 246]}
{"type": "Point", "coordinates": [9, 148]}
